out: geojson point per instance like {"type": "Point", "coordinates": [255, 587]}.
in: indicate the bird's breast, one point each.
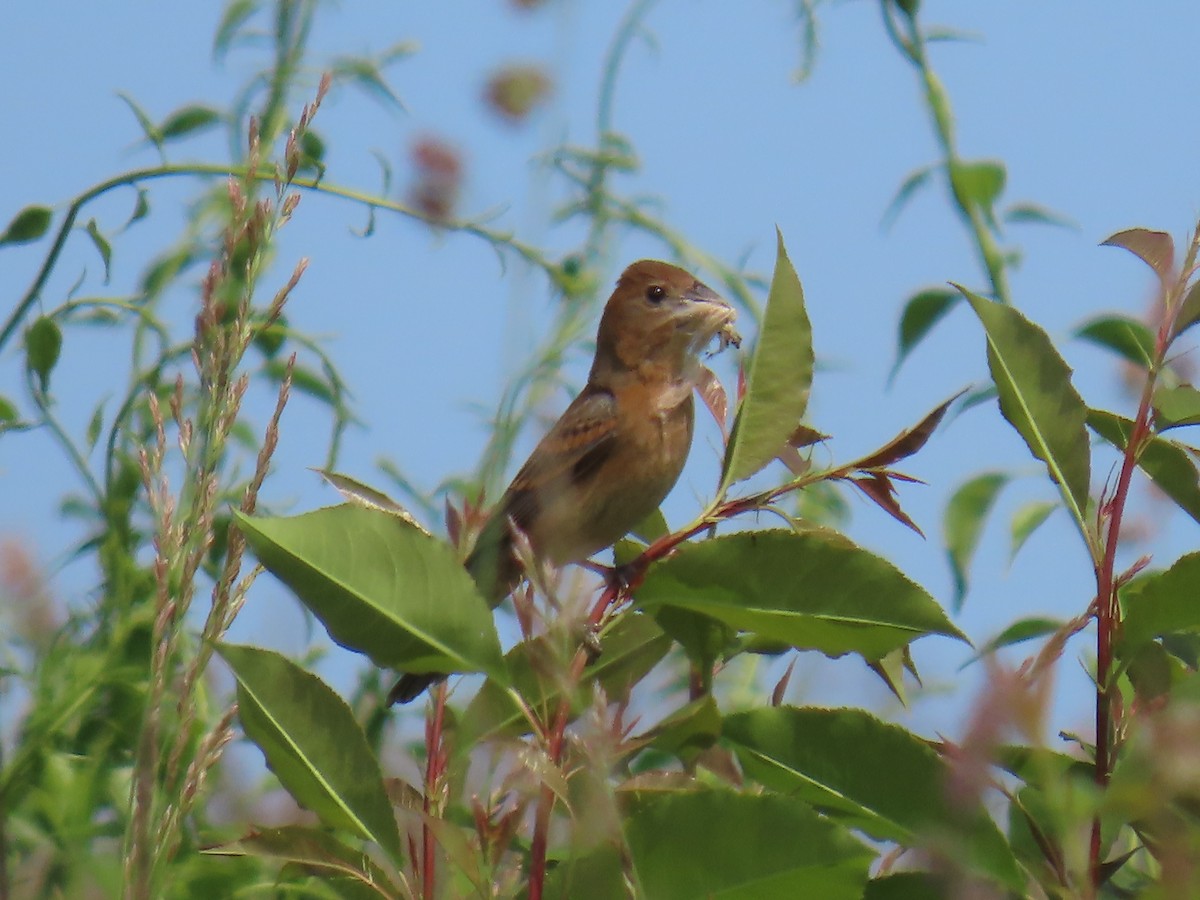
{"type": "Point", "coordinates": [649, 449]}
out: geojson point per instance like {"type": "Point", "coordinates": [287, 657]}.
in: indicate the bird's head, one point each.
{"type": "Point", "coordinates": [661, 316]}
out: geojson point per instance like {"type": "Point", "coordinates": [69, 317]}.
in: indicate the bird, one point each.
{"type": "Point", "coordinates": [618, 449]}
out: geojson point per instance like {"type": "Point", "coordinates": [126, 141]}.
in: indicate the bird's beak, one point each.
{"type": "Point", "coordinates": [702, 293]}
{"type": "Point", "coordinates": [714, 313]}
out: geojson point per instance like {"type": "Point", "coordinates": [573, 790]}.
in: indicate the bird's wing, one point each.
{"type": "Point", "coordinates": [576, 444]}
{"type": "Point", "coordinates": [573, 447]}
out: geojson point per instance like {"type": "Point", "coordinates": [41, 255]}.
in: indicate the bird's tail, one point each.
{"type": "Point", "coordinates": [411, 685]}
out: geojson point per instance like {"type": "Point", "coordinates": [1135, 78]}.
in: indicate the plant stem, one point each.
{"type": "Point", "coordinates": [434, 767]}
{"type": "Point", "coordinates": [264, 173]}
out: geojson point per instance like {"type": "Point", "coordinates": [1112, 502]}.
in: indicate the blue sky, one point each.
{"type": "Point", "coordinates": [1093, 115]}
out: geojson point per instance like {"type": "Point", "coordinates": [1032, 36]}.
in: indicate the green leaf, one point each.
{"type": "Point", "coordinates": [27, 225]}
{"type": "Point", "coordinates": [1160, 603]}
{"type": "Point", "coordinates": [187, 120]}
{"type": "Point", "coordinates": [779, 379]}
{"type": "Point", "coordinates": [313, 849]}
{"type": "Point", "coordinates": [1176, 407]}
{"type": "Point", "coordinates": [1189, 311]}
{"type": "Point", "coordinates": [702, 637]}
{"type": "Point", "coordinates": [652, 527]}
{"type": "Point", "coordinates": [686, 845]}
{"type": "Point", "coordinates": [922, 311]}
{"type": "Point", "coordinates": [1038, 399]}
{"type": "Point", "coordinates": [354, 491]}
{"type": "Point", "coordinates": [8, 411]}
{"type": "Point", "coordinates": [914, 181]}
{"type": "Point", "coordinates": [367, 75]}
{"type": "Point", "coordinates": [1151, 670]}
{"type": "Point", "coordinates": [304, 380]}
{"type": "Point", "coordinates": [1155, 248]}
{"type": "Point", "coordinates": [629, 648]}
{"type": "Point", "coordinates": [236, 14]}
{"type": "Point", "coordinates": [966, 512]}
{"type": "Point", "coordinates": [1168, 464]}
{"type": "Point", "coordinates": [149, 129]}
{"type": "Point", "coordinates": [43, 344]}
{"type": "Point", "coordinates": [102, 246]}
{"type": "Point", "coordinates": [141, 208]}
{"type": "Point", "coordinates": [1026, 521]}
{"type": "Point", "coordinates": [95, 424]}
{"type": "Point", "coordinates": [870, 775]}
{"type": "Point", "coordinates": [980, 183]}
{"type": "Point", "coordinates": [814, 590]}
{"type": "Point", "coordinates": [381, 587]}
{"type": "Point", "coordinates": [1128, 338]}
{"type": "Point", "coordinates": [688, 730]}
{"type": "Point", "coordinates": [1018, 632]}
{"type": "Point", "coordinates": [1033, 213]}
{"type": "Point", "coordinates": [312, 743]}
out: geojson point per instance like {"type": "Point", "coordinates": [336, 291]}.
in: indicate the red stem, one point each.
{"type": "Point", "coordinates": [1108, 621]}
{"type": "Point", "coordinates": [434, 767]}
{"type": "Point", "coordinates": [556, 740]}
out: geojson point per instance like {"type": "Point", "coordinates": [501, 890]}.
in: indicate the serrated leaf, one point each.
{"type": "Point", "coordinates": [1128, 338]}
{"type": "Point", "coordinates": [356, 492]}
{"type": "Point", "coordinates": [1161, 603]}
{"type": "Point", "coordinates": [879, 489]}
{"type": "Point", "coordinates": [313, 849]}
{"type": "Point", "coordinates": [922, 311]}
{"type": "Point", "coordinates": [1038, 399]}
{"type": "Point", "coordinates": [909, 441]}
{"type": "Point", "coordinates": [1026, 521]}
{"type": "Point", "coordinates": [43, 344]}
{"type": "Point", "coordinates": [716, 847]}
{"type": "Point", "coordinates": [312, 743]}
{"type": "Point", "coordinates": [1167, 463]}
{"type": "Point", "coordinates": [913, 182]}
{"type": "Point", "coordinates": [1021, 213]}
{"type": "Point", "coordinates": [187, 120]}
{"type": "Point", "coordinates": [103, 247]}
{"type": "Point", "coordinates": [1155, 248]}
{"type": "Point", "coordinates": [1018, 632]}
{"type": "Point", "coordinates": [780, 377]}
{"type": "Point", "coordinates": [28, 225]}
{"type": "Point", "coordinates": [966, 512]}
{"type": "Point", "coordinates": [869, 774]}
{"type": "Point", "coordinates": [814, 590]}
{"type": "Point", "coordinates": [1176, 407]}
{"type": "Point", "coordinates": [381, 587]}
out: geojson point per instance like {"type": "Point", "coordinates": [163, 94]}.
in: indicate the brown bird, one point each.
{"type": "Point", "coordinates": [617, 451]}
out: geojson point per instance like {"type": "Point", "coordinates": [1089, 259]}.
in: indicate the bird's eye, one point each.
{"type": "Point", "coordinates": [655, 293]}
